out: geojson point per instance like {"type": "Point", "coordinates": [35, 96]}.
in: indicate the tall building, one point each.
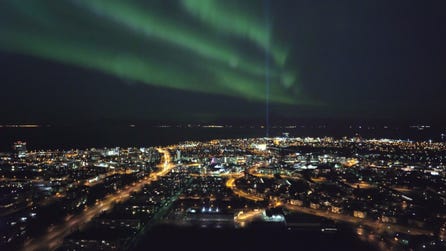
{"type": "Point", "coordinates": [178, 157]}
{"type": "Point", "coordinates": [19, 148]}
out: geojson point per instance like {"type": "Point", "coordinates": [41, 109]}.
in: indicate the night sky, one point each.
{"type": "Point", "coordinates": [210, 60]}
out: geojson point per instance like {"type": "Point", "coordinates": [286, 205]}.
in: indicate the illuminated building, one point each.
{"type": "Point", "coordinates": [19, 148]}
{"type": "Point", "coordinates": [178, 157]}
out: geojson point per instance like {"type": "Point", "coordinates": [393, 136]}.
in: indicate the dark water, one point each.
{"type": "Point", "coordinates": [68, 137]}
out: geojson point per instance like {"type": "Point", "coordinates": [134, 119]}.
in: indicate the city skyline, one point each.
{"type": "Point", "coordinates": [222, 125]}
{"type": "Point", "coordinates": [349, 193]}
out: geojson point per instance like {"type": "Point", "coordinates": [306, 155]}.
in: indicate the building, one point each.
{"type": "Point", "coordinates": [178, 156]}
{"type": "Point", "coordinates": [19, 148]}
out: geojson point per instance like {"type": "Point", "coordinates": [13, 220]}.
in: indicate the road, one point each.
{"type": "Point", "coordinates": [55, 236]}
{"type": "Point", "coordinates": [62, 191]}
{"type": "Point", "coordinates": [230, 183]}
{"type": "Point", "coordinates": [101, 177]}
{"type": "Point", "coordinates": [254, 171]}
{"type": "Point", "coordinates": [248, 215]}
{"type": "Point", "coordinates": [133, 242]}
{"type": "Point", "coordinates": [379, 227]}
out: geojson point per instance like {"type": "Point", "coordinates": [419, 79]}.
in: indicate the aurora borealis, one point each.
{"type": "Point", "coordinates": [211, 59]}
{"type": "Point", "coordinates": [186, 45]}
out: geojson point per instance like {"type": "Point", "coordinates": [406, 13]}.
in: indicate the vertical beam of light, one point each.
{"type": "Point", "coordinates": [266, 5]}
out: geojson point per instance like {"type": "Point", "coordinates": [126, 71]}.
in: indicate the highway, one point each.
{"type": "Point", "coordinates": [56, 234]}
{"type": "Point", "coordinates": [61, 193]}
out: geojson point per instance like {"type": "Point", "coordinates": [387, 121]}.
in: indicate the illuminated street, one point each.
{"type": "Point", "coordinates": [131, 191]}
{"type": "Point", "coordinates": [377, 226]}
{"type": "Point", "coordinates": [197, 125]}
{"type": "Point", "coordinates": [56, 234]}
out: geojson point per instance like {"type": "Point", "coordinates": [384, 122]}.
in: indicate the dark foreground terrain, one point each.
{"type": "Point", "coordinates": [259, 238]}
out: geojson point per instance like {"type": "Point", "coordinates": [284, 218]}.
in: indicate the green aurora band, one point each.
{"type": "Point", "coordinates": [230, 18]}
{"type": "Point", "coordinates": [188, 45]}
